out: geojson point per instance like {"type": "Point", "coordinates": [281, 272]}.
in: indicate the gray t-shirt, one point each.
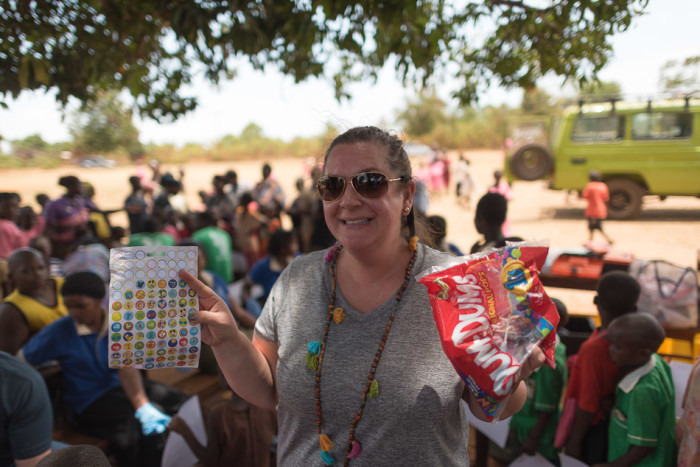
{"type": "Point", "coordinates": [417, 419]}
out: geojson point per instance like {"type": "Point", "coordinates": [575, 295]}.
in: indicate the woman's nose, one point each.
{"type": "Point", "coordinates": [350, 197]}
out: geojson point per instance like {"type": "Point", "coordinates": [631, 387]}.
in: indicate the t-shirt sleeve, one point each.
{"type": "Point", "coordinates": [42, 347]}
{"type": "Point", "coordinates": [645, 416]}
{"type": "Point", "coordinates": [588, 370]}
{"type": "Point", "coordinates": [31, 418]}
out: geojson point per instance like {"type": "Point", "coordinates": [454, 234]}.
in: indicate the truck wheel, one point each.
{"type": "Point", "coordinates": [625, 198]}
{"type": "Point", "coordinates": [531, 162]}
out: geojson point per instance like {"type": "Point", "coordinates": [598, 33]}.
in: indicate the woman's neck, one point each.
{"type": "Point", "coordinates": [377, 263]}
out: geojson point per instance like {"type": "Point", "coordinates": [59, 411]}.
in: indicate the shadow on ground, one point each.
{"type": "Point", "coordinates": [648, 215]}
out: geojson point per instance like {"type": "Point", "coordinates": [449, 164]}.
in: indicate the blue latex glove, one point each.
{"type": "Point", "coordinates": [152, 420]}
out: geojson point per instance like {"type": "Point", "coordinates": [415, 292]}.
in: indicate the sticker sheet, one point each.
{"type": "Point", "coordinates": [149, 308]}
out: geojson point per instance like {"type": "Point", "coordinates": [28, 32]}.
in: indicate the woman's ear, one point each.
{"type": "Point", "coordinates": [410, 193]}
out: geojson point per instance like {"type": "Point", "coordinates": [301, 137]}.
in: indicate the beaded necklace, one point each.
{"type": "Point", "coordinates": [317, 349]}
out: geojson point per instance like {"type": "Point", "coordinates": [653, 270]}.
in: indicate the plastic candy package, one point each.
{"type": "Point", "coordinates": [491, 310]}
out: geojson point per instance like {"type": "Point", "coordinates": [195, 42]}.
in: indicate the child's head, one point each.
{"type": "Point", "coordinates": [594, 176]}
{"type": "Point", "coordinates": [563, 312]}
{"type": "Point", "coordinates": [490, 212]}
{"type": "Point", "coordinates": [617, 295]}
{"type": "Point", "coordinates": [9, 205]}
{"type": "Point", "coordinates": [72, 185]}
{"type": "Point", "coordinates": [42, 199]}
{"type": "Point", "coordinates": [118, 233]}
{"type": "Point", "coordinates": [245, 199]}
{"type": "Point", "coordinates": [26, 217]}
{"type": "Point", "coordinates": [42, 244]}
{"type": "Point", "coordinates": [633, 338]}
{"type": "Point", "coordinates": [28, 270]}
{"type": "Point", "coordinates": [219, 183]}
{"type": "Point", "coordinates": [231, 177]}
{"type": "Point", "coordinates": [135, 183]}
{"type": "Point", "coordinates": [82, 294]}
{"type": "Point", "coordinates": [203, 219]}
{"type": "Point", "coordinates": [281, 244]}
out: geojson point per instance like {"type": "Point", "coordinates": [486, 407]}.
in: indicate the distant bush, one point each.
{"type": "Point", "coordinates": [44, 161]}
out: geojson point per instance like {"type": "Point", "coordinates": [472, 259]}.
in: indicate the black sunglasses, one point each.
{"type": "Point", "coordinates": [367, 184]}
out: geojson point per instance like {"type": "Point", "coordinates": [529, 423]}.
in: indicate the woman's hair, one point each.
{"type": "Point", "coordinates": [397, 159]}
{"type": "Point", "coordinates": [84, 283]}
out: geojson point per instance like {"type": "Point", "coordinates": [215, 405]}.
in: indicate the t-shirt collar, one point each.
{"type": "Point", "coordinates": [630, 381]}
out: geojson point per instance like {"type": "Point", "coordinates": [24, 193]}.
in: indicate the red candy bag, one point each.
{"type": "Point", "coordinates": [491, 310]}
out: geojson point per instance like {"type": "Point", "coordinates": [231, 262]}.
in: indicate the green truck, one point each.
{"type": "Point", "coordinates": [649, 148]}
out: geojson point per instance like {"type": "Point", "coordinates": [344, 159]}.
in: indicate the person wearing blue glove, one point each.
{"type": "Point", "coordinates": [129, 411]}
{"type": "Point", "coordinates": [152, 420]}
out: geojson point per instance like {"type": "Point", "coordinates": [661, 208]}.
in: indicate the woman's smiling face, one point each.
{"type": "Point", "coordinates": [358, 222]}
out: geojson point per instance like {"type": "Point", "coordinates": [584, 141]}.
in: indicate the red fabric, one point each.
{"type": "Point", "coordinates": [12, 237]}
{"type": "Point", "coordinates": [594, 375]}
{"type": "Point", "coordinates": [597, 194]}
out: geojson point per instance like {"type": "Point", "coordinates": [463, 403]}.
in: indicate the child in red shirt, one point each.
{"type": "Point", "coordinates": [597, 194]}
{"type": "Point", "coordinates": [594, 374]}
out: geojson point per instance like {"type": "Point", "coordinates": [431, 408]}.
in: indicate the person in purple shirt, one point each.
{"type": "Point", "coordinates": [67, 217]}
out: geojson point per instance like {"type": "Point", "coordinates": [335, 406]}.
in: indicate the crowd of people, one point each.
{"type": "Point", "coordinates": [324, 340]}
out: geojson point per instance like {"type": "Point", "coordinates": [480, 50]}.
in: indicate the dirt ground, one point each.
{"type": "Point", "coordinates": [665, 230]}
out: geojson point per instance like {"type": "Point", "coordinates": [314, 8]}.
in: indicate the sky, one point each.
{"type": "Point", "coordinates": [283, 109]}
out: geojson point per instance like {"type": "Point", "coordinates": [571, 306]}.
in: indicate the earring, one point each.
{"type": "Point", "coordinates": [406, 209]}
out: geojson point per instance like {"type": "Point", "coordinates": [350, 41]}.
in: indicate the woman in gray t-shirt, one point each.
{"type": "Point", "coordinates": [346, 346]}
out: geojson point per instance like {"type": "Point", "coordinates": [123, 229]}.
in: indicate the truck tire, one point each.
{"type": "Point", "coordinates": [625, 198]}
{"type": "Point", "coordinates": [531, 162]}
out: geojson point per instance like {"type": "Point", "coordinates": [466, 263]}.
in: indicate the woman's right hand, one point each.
{"type": "Point", "coordinates": [217, 321]}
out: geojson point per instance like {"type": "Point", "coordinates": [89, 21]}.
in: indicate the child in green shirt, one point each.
{"type": "Point", "coordinates": [536, 423]}
{"type": "Point", "coordinates": [644, 416]}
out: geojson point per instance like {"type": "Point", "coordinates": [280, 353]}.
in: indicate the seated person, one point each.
{"type": "Point", "coordinates": [102, 402]}
{"type": "Point", "coordinates": [489, 217]}
{"type": "Point", "coordinates": [35, 303]}
{"type": "Point", "coordinates": [216, 242]}
{"type": "Point", "coordinates": [12, 235]}
{"type": "Point", "coordinates": [238, 433]}
{"type": "Point", "coordinates": [26, 417]}
{"type": "Point", "coordinates": [644, 416]}
{"type": "Point", "coordinates": [281, 249]}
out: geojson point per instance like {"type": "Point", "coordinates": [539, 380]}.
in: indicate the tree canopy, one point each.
{"type": "Point", "coordinates": [154, 48]}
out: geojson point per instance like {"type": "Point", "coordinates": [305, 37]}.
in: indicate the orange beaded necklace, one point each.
{"type": "Point", "coordinates": [316, 351]}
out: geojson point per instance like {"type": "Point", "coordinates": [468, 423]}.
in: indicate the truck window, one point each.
{"type": "Point", "coordinates": [607, 128]}
{"type": "Point", "coordinates": [662, 125]}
